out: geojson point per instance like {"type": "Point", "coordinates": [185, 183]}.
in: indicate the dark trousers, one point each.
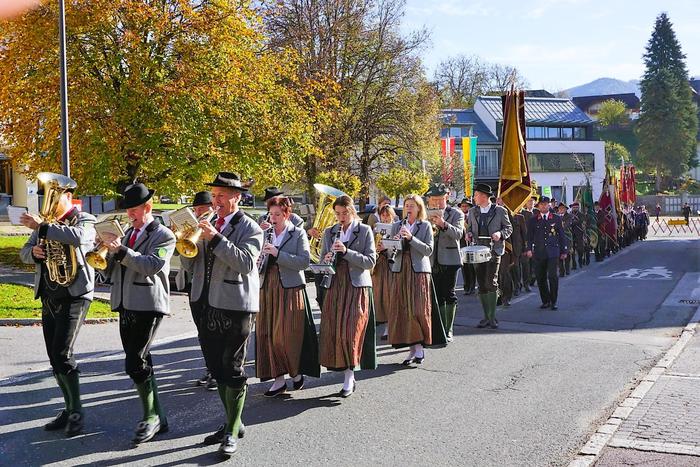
{"type": "Point", "coordinates": [547, 279]}
{"type": "Point", "coordinates": [565, 266]}
{"type": "Point", "coordinates": [516, 273]}
{"type": "Point", "coordinates": [224, 337]}
{"type": "Point", "coordinates": [137, 330]}
{"type": "Point", "coordinates": [198, 312]}
{"type": "Point", "coordinates": [487, 275]}
{"type": "Point", "coordinates": [61, 320]}
{"type": "Point", "coordinates": [469, 276]}
{"type": "Point", "coordinates": [526, 270]}
{"type": "Point", "coordinates": [445, 280]}
{"type": "Point", "coordinates": [505, 280]}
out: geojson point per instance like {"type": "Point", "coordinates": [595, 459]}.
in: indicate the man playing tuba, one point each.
{"type": "Point", "coordinates": [64, 282]}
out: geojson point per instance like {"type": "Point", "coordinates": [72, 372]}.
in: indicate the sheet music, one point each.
{"type": "Point", "coordinates": [110, 226]}
{"type": "Point", "coordinates": [381, 228]}
{"type": "Point", "coordinates": [435, 213]}
{"type": "Point", "coordinates": [15, 213]}
{"type": "Point", "coordinates": [183, 218]}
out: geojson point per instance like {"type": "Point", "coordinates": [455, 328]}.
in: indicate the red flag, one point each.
{"type": "Point", "coordinates": [448, 149]}
{"type": "Point", "coordinates": [632, 184]}
{"type": "Point", "coordinates": [606, 204]}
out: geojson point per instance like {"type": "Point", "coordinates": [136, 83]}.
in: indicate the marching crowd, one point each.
{"type": "Point", "coordinates": [395, 275]}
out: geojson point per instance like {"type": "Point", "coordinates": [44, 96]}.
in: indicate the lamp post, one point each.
{"type": "Point", "coordinates": [65, 137]}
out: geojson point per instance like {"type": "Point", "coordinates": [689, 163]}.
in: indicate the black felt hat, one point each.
{"type": "Point", "coordinates": [271, 192]}
{"type": "Point", "coordinates": [135, 195]}
{"type": "Point", "coordinates": [467, 201]}
{"type": "Point", "coordinates": [543, 199]}
{"type": "Point", "coordinates": [484, 188]}
{"type": "Point", "coordinates": [437, 190]}
{"type": "Point", "coordinates": [202, 198]}
{"type": "Point", "coordinates": [228, 180]}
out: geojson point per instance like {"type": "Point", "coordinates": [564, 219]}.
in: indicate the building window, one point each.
{"type": "Point", "coordinates": [487, 163]}
{"type": "Point", "coordinates": [567, 133]}
{"type": "Point", "coordinates": [552, 133]}
{"type": "Point", "coordinates": [534, 132]}
{"type": "Point", "coordinates": [561, 162]}
{"type": "Point", "coordinates": [579, 132]}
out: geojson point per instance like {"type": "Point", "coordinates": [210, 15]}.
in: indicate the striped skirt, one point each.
{"type": "Point", "coordinates": [381, 288]}
{"type": "Point", "coordinates": [410, 318]}
{"type": "Point", "coordinates": [279, 328]}
{"type": "Point", "coordinates": [344, 318]}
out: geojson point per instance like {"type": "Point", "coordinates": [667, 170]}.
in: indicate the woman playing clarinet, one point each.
{"type": "Point", "coordinates": [347, 314]}
{"type": "Point", "coordinates": [285, 330]}
{"type": "Point", "coordinates": [381, 276]}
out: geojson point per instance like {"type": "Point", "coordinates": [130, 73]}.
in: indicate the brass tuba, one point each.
{"type": "Point", "coordinates": [325, 217]}
{"type": "Point", "coordinates": [61, 259]}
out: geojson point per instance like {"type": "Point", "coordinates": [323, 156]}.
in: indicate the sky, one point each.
{"type": "Point", "coordinates": [555, 44]}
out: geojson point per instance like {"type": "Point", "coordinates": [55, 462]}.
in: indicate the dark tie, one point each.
{"type": "Point", "coordinates": [132, 239]}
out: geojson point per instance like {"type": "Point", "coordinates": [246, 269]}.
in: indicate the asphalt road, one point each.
{"type": "Point", "coordinates": [528, 394]}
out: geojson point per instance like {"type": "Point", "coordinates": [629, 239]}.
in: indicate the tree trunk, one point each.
{"type": "Point", "coordinates": [658, 179]}
{"type": "Point", "coordinates": [364, 176]}
{"type": "Point", "coordinates": [310, 172]}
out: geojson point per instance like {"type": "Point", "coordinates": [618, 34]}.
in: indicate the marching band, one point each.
{"type": "Point", "coordinates": [246, 275]}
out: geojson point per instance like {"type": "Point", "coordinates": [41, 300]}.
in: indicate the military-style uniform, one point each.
{"type": "Point", "coordinates": [579, 236]}
{"type": "Point", "coordinates": [517, 241]}
{"type": "Point", "coordinates": [63, 309]}
{"type": "Point", "coordinates": [525, 262]}
{"type": "Point", "coordinates": [547, 242]}
{"type": "Point", "coordinates": [139, 274]}
{"type": "Point", "coordinates": [226, 285]}
{"type": "Point", "coordinates": [565, 264]}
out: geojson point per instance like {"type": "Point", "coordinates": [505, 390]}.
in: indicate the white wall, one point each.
{"type": "Point", "coordinates": [597, 148]}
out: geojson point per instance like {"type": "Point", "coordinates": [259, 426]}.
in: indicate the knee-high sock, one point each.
{"type": "Point", "coordinates": [235, 400]}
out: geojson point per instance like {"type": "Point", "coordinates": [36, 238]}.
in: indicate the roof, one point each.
{"type": "Point", "coordinates": [469, 117]}
{"type": "Point", "coordinates": [630, 100]}
{"type": "Point", "coordinates": [541, 110]}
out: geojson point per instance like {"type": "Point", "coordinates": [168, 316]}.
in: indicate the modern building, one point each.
{"type": "Point", "coordinates": [559, 140]}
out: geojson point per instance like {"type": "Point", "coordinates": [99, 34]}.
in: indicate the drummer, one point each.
{"type": "Point", "coordinates": [490, 226]}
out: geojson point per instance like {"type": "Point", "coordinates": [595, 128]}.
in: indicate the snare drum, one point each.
{"type": "Point", "coordinates": [476, 254]}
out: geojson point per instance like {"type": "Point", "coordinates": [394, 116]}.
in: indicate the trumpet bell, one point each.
{"type": "Point", "coordinates": [97, 258]}
{"type": "Point", "coordinates": [186, 247]}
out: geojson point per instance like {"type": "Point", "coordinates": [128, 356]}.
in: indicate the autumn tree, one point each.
{"type": "Point", "coordinates": [166, 92]}
{"type": "Point", "coordinates": [401, 181]}
{"type": "Point", "coordinates": [612, 112]}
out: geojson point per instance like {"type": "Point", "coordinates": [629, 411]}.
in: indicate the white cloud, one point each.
{"type": "Point", "coordinates": [451, 8]}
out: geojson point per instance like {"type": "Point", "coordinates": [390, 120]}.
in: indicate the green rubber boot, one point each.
{"type": "Point", "coordinates": [71, 382]}
{"type": "Point", "coordinates": [235, 400]}
{"type": "Point", "coordinates": [443, 316]}
{"type": "Point", "coordinates": [64, 391]}
{"type": "Point", "coordinates": [492, 298]}
{"type": "Point", "coordinates": [147, 396]}
{"type": "Point", "coordinates": [484, 306]}
{"type": "Point", "coordinates": [158, 407]}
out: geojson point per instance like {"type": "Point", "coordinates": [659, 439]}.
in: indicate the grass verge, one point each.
{"type": "Point", "coordinates": [17, 302]}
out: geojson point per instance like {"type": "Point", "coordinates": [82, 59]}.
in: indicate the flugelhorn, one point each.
{"type": "Point", "coordinates": [186, 243]}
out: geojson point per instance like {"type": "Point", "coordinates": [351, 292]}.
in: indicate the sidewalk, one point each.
{"type": "Point", "coordinates": [659, 423]}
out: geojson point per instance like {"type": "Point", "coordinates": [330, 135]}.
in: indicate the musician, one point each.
{"type": "Point", "coordinates": [506, 284]}
{"type": "Point", "coordinates": [525, 262]}
{"type": "Point", "coordinates": [264, 220]}
{"type": "Point", "coordinates": [381, 277]}
{"type": "Point", "coordinates": [579, 236]}
{"type": "Point", "coordinates": [445, 258]}
{"type": "Point", "coordinates": [517, 240]}
{"type": "Point", "coordinates": [201, 206]}
{"type": "Point", "coordinates": [411, 319]}
{"type": "Point", "coordinates": [63, 308]}
{"type": "Point", "coordinates": [601, 250]}
{"type": "Point", "coordinates": [547, 244]}
{"type": "Point", "coordinates": [138, 266]}
{"type": "Point", "coordinates": [468, 271]}
{"type": "Point", "coordinates": [375, 217]}
{"type": "Point", "coordinates": [226, 284]}
{"type": "Point", "coordinates": [563, 213]}
{"type": "Point", "coordinates": [489, 225]}
{"type": "Point", "coordinates": [347, 315]}
{"type": "Point", "coordinates": [286, 341]}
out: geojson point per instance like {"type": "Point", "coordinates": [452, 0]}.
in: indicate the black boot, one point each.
{"type": "Point", "coordinates": [74, 424]}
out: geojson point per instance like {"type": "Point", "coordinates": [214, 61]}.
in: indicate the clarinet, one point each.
{"type": "Point", "coordinates": [394, 250]}
{"type": "Point", "coordinates": [326, 281]}
{"type": "Point", "coordinates": [262, 259]}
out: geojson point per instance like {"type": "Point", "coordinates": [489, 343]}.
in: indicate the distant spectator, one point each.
{"type": "Point", "coordinates": [658, 211]}
{"type": "Point", "coordinates": [686, 213]}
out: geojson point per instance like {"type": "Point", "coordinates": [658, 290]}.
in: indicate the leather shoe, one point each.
{"type": "Point", "coordinates": [527, 288]}
{"type": "Point", "coordinates": [483, 323]}
{"type": "Point", "coordinates": [218, 436]}
{"type": "Point", "coordinates": [298, 385]}
{"type": "Point", "coordinates": [493, 324]}
{"type": "Point", "coordinates": [407, 362]}
{"type": "Point", "coordinates": [146, 430]}
{"type": "Point", "coordinates": [75, 424]}
{"type": "Point", "coordinates": [228, 445]}
{"type": "Point", "coordinates": [345, 393]}
{"type": "Point", "coordinates": [277, 392]}
{"type": "Point", "coordinates": [554, 307]}
{"type": "Point", "coordinates": [58, 423]}
{"type": "Point", "coordinates": [545, 305]}
{"type": "Point", "coordinates": [419, 360]}
{"type": "Point", "coordinates": [212, 385]}
{"type": "Point", "coordinates": [384, 337]}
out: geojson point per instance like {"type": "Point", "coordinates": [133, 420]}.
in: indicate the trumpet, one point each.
{"type": "Point", "coordinates": [187, 238]}
{"type": "Point", "coordinates": [97, 257]}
